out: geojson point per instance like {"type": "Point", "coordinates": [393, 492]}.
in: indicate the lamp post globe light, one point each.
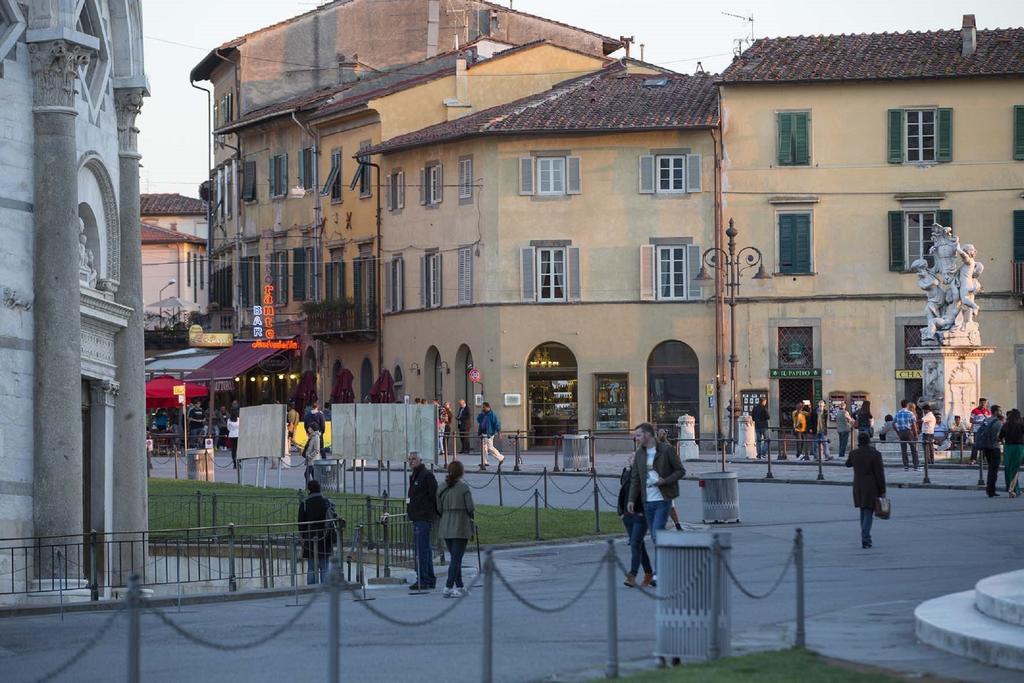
{"type": "Point", "coordinates": [730, 265]}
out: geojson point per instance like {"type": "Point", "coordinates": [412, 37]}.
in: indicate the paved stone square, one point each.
{"type": "Point", "coordinates": [859, 604]}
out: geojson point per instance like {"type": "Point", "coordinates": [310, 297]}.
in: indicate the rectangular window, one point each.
{"type": "Point", "coordinates": [365, 181]}
{"type": "Point", "coordinates": [672, 173]}
{"type": "Point", "coordinates": [278, 175]}
{"type": "Point", "coordinates": [550, 175]}
{"type": "Point", "coordinates": [796, 347]}
{"type": "Point", "coordinates": [306, 168]}
{"type": "Point", "coordinates": [611, 402]}
{"type": "Point", "coordinates": [466, 178]}
{"type": "Point", "coordinates": [1018, 132]}
{"type": "Point", "coordinates": [795, 243]}
{"type": "Point", "coordinates": [465, 276]}
{"type": "Point", "coordinates": [332, 185]}
{"type": "Point", "coordinates": [432, 280]}
{"type": "Point", "coordinates": [201, 265]}
{"type": "Point", "coordinates": [397, 284]}
{"type": "Point", "coordinates": [551, 274]}
{"type": "Point", "coordinates": [299, 274]}
{"type": "Point", "coordinates": [226, 109]}
{"type": "Point", "coordinates": [672, 276]}
{"type": "Point", "coordinates": [794, 135]}
{"type": "Point", "coordinates": [920, 135]}
{"type": "Point", "coordinates": [229, 189]}
{"type": "Point", "coordinates": [918, 235]}
{"type": "Point", "coordinates": [249, 181]}
{"type": "Point", "coordinates": [396, 191]}
{"type": "Point", "coordinates": [432, 192]}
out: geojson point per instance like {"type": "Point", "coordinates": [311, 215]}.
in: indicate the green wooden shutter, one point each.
{"type": "Point", "coordinates": [944, 145]}
{"type": "Point", "coordinates": [787, 243]}
{"type": "Point", "coordinates": [801, 138]}
{"type": "Point", "coordinates": [1018, 236]}
{"type": "Point", "coordinates": [270, 177]}
{"type": "Point", "coordinates": [802, 243]}
{"type": "Point", "coordinates": [896, 119]}
{"type": "Point", "coordinates": [299, 274]}
{"type": "Point", "coordinates": [302, 168]}
{"type": "Point", "coordinates": [1018, 132]}
{"type": "Point", "coordinates": [785, 127]}
{"type": "Point", "coordinates": [282, 259]}
{"type": "Point", "coordinates": [897, 259]}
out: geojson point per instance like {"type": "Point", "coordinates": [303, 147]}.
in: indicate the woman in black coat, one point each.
{"type": "Point", "coordinates": [868, 483]}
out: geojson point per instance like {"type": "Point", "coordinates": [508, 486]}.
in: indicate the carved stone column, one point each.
{"type": "Point", "coordinates": [130, 475]}
{"type": "Point", "coordinates": [102, 399]}
{"type": "Point", "coordinates": [57, 451]}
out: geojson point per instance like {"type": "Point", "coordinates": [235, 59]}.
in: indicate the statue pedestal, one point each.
{"type": "Point", "coordinates": [951, 378]}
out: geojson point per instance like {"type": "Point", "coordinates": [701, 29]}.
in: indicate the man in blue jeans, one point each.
{"type": "Point", "coordinates": [421, 506]}
{"type": "Point", "coordinates": [654, 482]}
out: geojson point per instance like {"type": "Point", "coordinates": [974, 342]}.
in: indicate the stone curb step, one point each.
{"type": "Point", "coordinates": [1002, 597]}
{"type": "Point", "coordinates": [952, 623]}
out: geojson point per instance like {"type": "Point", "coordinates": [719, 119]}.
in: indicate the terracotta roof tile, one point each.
{"type": "Point", "coordinates": [878, 56]}
{"type": "Point", "coordinates": [171, 205]}
{"type": "Point", "coordinates": [154, 234]}
{"type": "Point", "coordinates": [608, 100]}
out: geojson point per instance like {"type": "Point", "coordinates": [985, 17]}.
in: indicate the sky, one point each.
{"type": "Point", "coordinates": [675, 33]}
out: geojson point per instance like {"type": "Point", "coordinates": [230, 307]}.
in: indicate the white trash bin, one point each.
{"type": "Point", "coordinates": [720, 494]}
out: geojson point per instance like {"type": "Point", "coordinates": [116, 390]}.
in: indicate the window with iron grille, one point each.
{"type": "Point", "coordinates": [911, 338]}
{"type": "Point", "coordinates": [796, 347]}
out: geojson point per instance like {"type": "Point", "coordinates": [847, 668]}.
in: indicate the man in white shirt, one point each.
{"type": "Point", "coordinates": [928, 433]}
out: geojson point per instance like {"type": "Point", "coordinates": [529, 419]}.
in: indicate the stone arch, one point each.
{"type": "Point", "coordinates": [309, 360]}
{"type": "Point", "coordinates": [94, 182]}
{"type": "Point", "coordinates": [433, 377]}
{"type": "Point", "coordinates": [673, 385]}
{"type": "Point", "coordinates": [552, 394]}
{"type": "Point", "coordinates": [365, 380]}
{"type": "Point", "coordinates": [463, 364]}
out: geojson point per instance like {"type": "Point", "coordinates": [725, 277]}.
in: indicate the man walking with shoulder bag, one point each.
{"type": "Point", "coordinates": [654, 482]}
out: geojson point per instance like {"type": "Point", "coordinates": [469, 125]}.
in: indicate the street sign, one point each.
{"type": "Point", "coordinates": [179, 389]}
{"type": "Point", "coordinates": [909, 374]}
{"type": "Point", "coordinates": [474, 376]}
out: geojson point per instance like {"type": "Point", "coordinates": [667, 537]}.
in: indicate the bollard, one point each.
{"type": "Point", "coordinates": [199, 509]}
{"type": "Point", "coordinates": [798, 550]}
{"type": "Point", "coordinates": [388, 465]}
{"type": "Point", "coordinates": [487, 675]}
{"type": "Point", "coordinates": [334, 625]}
{"type": "Point", "coordinates": [232, 583]}
{"type": "Point", "coordinates": [387, 544]}
{"type": "Point", "coordinates": [176, 464]}
{"type": "Point", "coordinates": [597, 508]}
{"type": "Point", "coordinates": [213, 511]}
{"type": "Point", "coordinates": [515, 448]}
{"type": "Point", "coordinates": [366, 520]}
{"type": "Point", "coordinates": [981, 477]}
{"type": "Point", "coordinates": [556, 442]}
{"type": "Point", "coordinates": [134, 609]}
{"type": "Point", "coordinates": [362, 476]}
{"type": "Point", "coordinates": [593, 450]}
{"type": "Point", "coordinates": [501, 497]}
{"type": "Point", "coordinates": [94, 584]}
{"type": "Point", "coordinates": [536, 515]}
{"type": "Point", "coordinates": [380, 468]}
{"type": "Point", "coordinates": [925, 452]}
{"type": "Point", "coordinates": [716, 595]}
{"type": "Point", "coordinates": [768, 453]}
{"type": "Point", "coordinates": [294, 561]}
{"type": "Point", "coordinates": [545, 488]}
{"type": "Point", "coordinates": [821, 473]}
{"type": "Point", "coordinates": [613, 615]}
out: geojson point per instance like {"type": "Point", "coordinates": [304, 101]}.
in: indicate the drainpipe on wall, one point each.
{"type": "Point", "coordinates": [378, 295]}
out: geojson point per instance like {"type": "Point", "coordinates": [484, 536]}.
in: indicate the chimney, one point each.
{"type": "Point", "coordinates": [348, 70]}
{"type": "Point", "coordinates": [461, 80]}
{"type": "Point", "coordinates": [969, 36]}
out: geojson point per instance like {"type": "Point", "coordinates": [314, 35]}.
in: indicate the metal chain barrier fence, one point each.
{"type": "Point", "coordinates": [548, 610]}
{"type": "Point", "coordinates": [530, 487]}
{"type": "Point", "coordinates": [570, 493]}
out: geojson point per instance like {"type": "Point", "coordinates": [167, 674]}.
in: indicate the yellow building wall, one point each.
{"type": "Point", "coordinates": [610, 330]}
{"type": "Point", "coordinates": [849, 188]}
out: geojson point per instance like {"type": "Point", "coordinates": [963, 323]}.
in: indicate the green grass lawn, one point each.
{"type": "Point", "coordinates": [783, 666]}
{"type": "Point", "coordinates": [175, 505]}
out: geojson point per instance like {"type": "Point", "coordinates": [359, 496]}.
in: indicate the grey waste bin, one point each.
{"type": "Point", "coordinates": [720, 493]}
{"type": "Point", "coordinates": [692, 590]}
{"type": "Point", "coordinates": [575, 452]}
{"type": "Point", "coordinates": [328, 473]}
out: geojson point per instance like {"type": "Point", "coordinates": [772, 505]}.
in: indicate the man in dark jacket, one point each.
{"type": "Point", "coordinates": [421, 506]}
{"type": "Point", "coordinates": [654, 482]}
{"type": "Point", "coordinates": [462, 424]}
{"type": "Point", "coordinates": [315, 527]}
{"type": "Point", "coordinates": [759, 415]}
{"type": "Point", "coordinates": [987, 440]}
{"type": "Point", "coordinates": [868, 483]}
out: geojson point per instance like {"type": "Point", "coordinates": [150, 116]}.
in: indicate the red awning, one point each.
{"type": "Point", "coordinates": [160, 392]}
{"type": "Point", "coordinates": [231, 363]}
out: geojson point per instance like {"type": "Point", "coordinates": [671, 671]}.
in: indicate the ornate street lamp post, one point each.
{"type": "Point", "coordinates": [731, 264]}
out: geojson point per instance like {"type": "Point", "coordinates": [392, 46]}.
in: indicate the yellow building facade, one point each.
{"type": "Point", "coordinates": [536, 245]}
{"type": "Point", "coordinates": [836, 175]}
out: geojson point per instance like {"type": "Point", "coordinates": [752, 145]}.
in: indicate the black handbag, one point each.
{"type": "Point", "coordinates": [883, 508]}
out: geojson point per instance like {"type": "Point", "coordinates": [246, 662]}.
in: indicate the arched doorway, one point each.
{"type": "Point", "coordinates": [551, 391]}
{"type": "Point", "coordinates": [365, 381]}
{"type": "Point", "coordinates": [464, 388]}
{"type": "Point", "coordinates": [433, 381]}
{"type": "Point", "coordinates": [673, 384]}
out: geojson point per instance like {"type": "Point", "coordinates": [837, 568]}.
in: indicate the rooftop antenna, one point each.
{"type": "Point", "coordinates": [742, 43]}
{"type": "Point", "coordinates": [700, 70]}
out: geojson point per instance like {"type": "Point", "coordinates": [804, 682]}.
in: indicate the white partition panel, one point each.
{"type": "Point", "coordinates": [262, 431]}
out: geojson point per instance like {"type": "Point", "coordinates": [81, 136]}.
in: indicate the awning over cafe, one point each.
{"type": "Point", "coordinates": [232, 362]}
